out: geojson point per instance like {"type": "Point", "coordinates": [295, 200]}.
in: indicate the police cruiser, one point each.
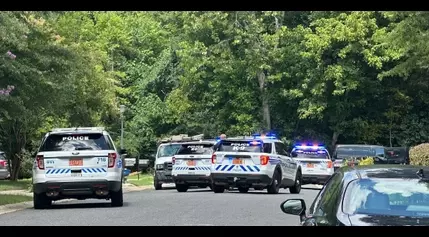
{"type": "Point", "coordinates": [258, 162]}
{"type": "Point", "coordinates": [167, 148]}
{"type": "Point", "coordinates": [191, 165]}
{"type": "Point", "coordinates": [77, 163]}
{"type": "Point", "coordinates": [316, 163]}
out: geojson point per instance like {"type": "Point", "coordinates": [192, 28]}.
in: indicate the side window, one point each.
{"type": "Point", "coordinates": [280, 149]}
{"type": "Point", "coordinates": [109, 142]}
{"type": "Point", "coordinates": [268, 148]}
{"type": "Point", "coordinates": [325, 204]}
{"type": "Point", "coordinates": [380, 152]}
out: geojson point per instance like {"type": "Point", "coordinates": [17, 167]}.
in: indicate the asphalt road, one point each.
{"type": "Point", "coordinates": [197, 207]}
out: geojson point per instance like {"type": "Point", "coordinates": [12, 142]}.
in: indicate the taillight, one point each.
{"type": "Point", "coordinates": [2, 163]}
{"type": "Point", "coordinates": [264, 159]}
{"type": "Point", "coordinates": [330, 165]}
{"type": "Point", "coordinates": [213, 159]}
{"type": "Point", "coordinates": [173, 160]}
{"type": "Point", "coordinates": [112, 159]}
{"type": "Point", "coordinates": [40, 162]}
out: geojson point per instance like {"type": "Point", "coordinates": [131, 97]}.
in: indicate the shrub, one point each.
{"type": "Point", "coordinates": [419, 155]}
{"type": "Point", "coordinates": [366, 161]}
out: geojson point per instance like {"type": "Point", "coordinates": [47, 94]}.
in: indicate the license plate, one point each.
{"type": "Point", "coordinates": [310, 165]}
{"type": "Point", "coordinates": [237, 162]}
{"type": "Point", "coordinates": [76, 162]}
{"type": "Point", "coordinates": [76, 174]}
{"type": "Point", "coordinates": [191, 163]}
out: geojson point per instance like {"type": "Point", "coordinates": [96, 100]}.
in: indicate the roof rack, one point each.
{"type": "Point", "coordinates": [182, 138]}
{"type": "Point", "coordinates": [77, 129]}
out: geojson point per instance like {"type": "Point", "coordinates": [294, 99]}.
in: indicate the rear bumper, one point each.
{"type": "Point", "coordinates": [240, 179]}
{"type": "Point", "coordinates": [164, 176]}
{"type": "Point", "coordinates": [4, 174]}
{"type": "Point", "coordinates": [192, 179]}
{"type": "Point", "coordinates": [315, 179]}
{"type": "Point", "coordinates": [85, 188]}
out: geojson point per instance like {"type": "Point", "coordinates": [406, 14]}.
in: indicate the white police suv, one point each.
{"type": "Point", "coordinates": [77, 163]}
{"type": "Point", "coordinates": [191, 165]}
{"type": "Point", "coordinates": [258, 162]}
{"type": "Point", "coordinates": [317, 165]}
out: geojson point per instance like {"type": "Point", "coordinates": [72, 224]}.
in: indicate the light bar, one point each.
{"type": "Point", "coordinates": [313, 147]}
{"type": "Point", "coordinates": [77, 129]}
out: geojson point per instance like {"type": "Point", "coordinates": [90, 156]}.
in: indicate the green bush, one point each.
{"type": "Point", "coordinates": [419, 155]}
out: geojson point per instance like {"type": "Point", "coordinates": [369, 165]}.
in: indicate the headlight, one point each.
{"type": "Point", "coordinates": [159, 166]}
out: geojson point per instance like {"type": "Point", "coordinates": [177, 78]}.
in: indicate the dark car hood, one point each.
{"type": "Point", "coordinates": [378, 220]}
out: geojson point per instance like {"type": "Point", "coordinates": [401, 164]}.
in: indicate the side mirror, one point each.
{"type": "Point", "coordinates": [293, 207]}
{"type": "Point", "coordinates": [123, 152]}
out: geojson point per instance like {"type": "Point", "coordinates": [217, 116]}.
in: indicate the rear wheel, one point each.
{"type": "Point", "coordinates": [157, 185]}
{"type": "Point", "coordinates": [41, 201]}
{"type": "Point", "coordinates": [243, 189]}
{"type": "Point", "coordinates": [117, 198]}
{"type": "Point", "coordinates": [296, 189]}
{"type": "Point", "coordinates": [274, 187]}
{"type": "Point", "coordinates": [218, 188]}
{"type": "Point", "coordinates": [181, 188]}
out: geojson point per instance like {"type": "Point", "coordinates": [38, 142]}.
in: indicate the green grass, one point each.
{"type": "Point", "coordinates": [145, 179]}
{"type": "Point", "coordinates": [23, 184]}
{"type": "Point", "coordinates": [10, 199]}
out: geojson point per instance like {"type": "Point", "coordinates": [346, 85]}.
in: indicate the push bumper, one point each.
{"type": "Point", "coordinates": [164, 176]}
{"type": "Point", "coordinates": [241, 179]}
{"type": "Point", "coordinates": [192, 179]}
{"type": "Point", "coordinates": [315, 179]}
{"type": "Point", "coordinates": [84, 188]}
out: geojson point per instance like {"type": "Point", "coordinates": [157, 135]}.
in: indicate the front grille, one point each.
{"type": "Point", "coordinates": [168, 166]}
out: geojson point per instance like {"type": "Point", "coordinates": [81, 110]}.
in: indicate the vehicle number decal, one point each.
{"type": "Point", "coordinates": [50, 163]}
{"type": "Point", "coordinates": [101, 160]}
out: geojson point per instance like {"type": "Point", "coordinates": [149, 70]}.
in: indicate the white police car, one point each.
{"type": "Point", "coordinates": [77, 163]}
{"type": "Point", "coordinates": [316, 163]}
{"type": "Point", "coordinates": [191, 165]}
{"type": "Point", "coordinates": [259, 162]}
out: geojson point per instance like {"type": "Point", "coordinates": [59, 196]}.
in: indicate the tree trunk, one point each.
{"type": "Point", "coordinates": [265, 105]}
{"type": "Point", "coordinates": [16, 164]}
{"type": "Point", "coordinates": [334, 139]}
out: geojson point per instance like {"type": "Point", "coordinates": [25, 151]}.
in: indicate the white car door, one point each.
{"type": "Point", "coordinates": [288, 164]}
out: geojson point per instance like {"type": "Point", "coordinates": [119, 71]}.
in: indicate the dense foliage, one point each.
{"type": "Point", "coordinates": [419, 155]}
{"type": "Point", "coordinates": [335, 77]}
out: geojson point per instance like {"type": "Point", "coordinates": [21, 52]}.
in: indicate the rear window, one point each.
{"type": "Point", "coordinates": [343, 152]}
{"type": "Point", "coordinates": [245, 146]}
{"type": "Point", "coordinates": [74, 142]}
{"type": "Point", "coordinates": [197, 149]}
{"type": "Point", "coordinates": [167, 150]}
{"type": "Point", "coordinates": [321, 154]}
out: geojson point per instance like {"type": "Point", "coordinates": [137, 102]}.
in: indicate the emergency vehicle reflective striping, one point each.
{"type": "Point", "coordinates": [94, 170]}
{"type": "Point", "coordinates": [195, 168]}
{"type": "Point", "coordinates": [245, 168]}
{"type": "Point", "coordinates": [58, 171]}
{"type": "Point", "coordinates": [84, 170]}
{"type": "Point", "coordinates": [274, 161]}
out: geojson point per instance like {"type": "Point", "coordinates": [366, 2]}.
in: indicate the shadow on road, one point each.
{"type": "Point", "coordinates": [82, 205]}
{"type": "Point", "coordinates": [199, 190]}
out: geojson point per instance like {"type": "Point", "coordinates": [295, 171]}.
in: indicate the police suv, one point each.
{"type": "Point", "coordinates": [257, 162]}
{"type": "Point", "coordinates": [191, 165]}
{"type": "Point", "coordinates": [77, 163]}
{"type": "Point", "coordinates": [167, 148]}
{"type": "Point", "coordinates": [316, 163]}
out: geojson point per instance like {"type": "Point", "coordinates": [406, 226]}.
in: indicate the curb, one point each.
{"type": "Point", "coordinates": [4, 209]}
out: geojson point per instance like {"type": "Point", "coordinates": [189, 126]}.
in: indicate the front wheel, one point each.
{"type": "Point", "coordinates": [157, 185]}
{"type": "Point", "coordinates": [296, 189]}
{"type": "Point", "coordinates": [243, 190]}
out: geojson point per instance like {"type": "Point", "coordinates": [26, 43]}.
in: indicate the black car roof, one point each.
{"type": "Point", "coordinates": [382, 171]}
{"type": "Point", "coordinates": [357, 145]}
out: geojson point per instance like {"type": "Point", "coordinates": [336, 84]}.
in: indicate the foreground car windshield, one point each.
{"type": "Point", "coordinates": [387, 197]}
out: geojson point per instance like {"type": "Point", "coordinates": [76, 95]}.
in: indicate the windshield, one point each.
{"type": "Point", "coordinates": [168, 150]}
{"type": "Point", "coordinates": [323, 154]}
{"type": "Point", "coordinates": [392, 197]}
{"type": "Point", "coordinates": [343, 152]}
{"type": "Point", "coordinates": [72, 142]}
{"type": "Point", "coordinates": [198, 149]}
{"type": "Point", "coordinates": [242, 146]}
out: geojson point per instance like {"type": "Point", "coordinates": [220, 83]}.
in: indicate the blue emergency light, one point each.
{"type": "Point", "coordinates": [310, 147]}
{"type": "Point", "coordinates": [266, 136]}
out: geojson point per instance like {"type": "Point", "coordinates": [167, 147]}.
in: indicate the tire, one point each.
{"type": "Point", "coordinates": [156, 184]}
{"type": "Point", "coordinates": [296, 189]}
{"type": "Point", "coordinates": [211, 188]}
{"type": "Point", "coordinates": [41, 201]}
{"type": "Point", "coordinates": [117, 198]}
{"type": "Point", "coordinates": [181, 188]}
{"type": "Point", "coordinates": [218, 188]}
{"type": "Point", "coordinates": [274, 187]}
{"type": "Point", "coordinates": [243, 190]}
